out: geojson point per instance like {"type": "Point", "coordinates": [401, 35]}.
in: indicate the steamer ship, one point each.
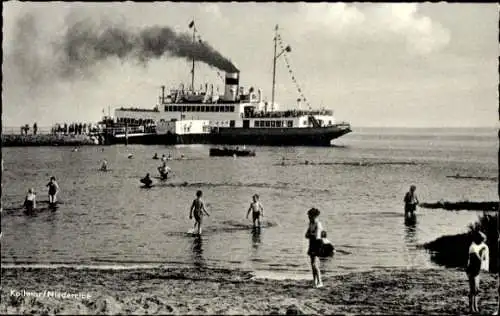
{"type": "Point", "coordinates": [236, 117]}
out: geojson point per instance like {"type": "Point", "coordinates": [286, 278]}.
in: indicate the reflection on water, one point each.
{"type": "Point", "coordinates": [256, 238]}
{"type": "Point", "coordinates": [197, 252]}
{"type": "Point", "coordinates": [411, 240]}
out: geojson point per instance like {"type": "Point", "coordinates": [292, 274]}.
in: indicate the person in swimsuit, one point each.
{"type": "Point", "coordinates": [198, 209]}
{"type": "Point", "coordinates": [478, 260]}
{"type": "Point", "coordinates": [53, 189]}
{"type": "Point", "coordinates": [314, 235]}
{"type": "Point", "coordinates": [256, 209]}
{"type": "Point", "coordinates": [30, 202]}
{"type": "Point", "coordinates": [411, 202]}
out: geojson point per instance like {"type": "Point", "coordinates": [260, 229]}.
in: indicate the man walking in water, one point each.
{"type": "Point", "coordinates": [53, 189]}
{"type": "Point", "coordinates": [256, 209]}
{"type": "Point", "coordinates": [411, 202]}
{"type": "Point", "coordinates": [198, 208]}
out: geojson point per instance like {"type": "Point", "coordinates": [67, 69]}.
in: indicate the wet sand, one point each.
{"type": "Point", "coordinates": [209, 291]}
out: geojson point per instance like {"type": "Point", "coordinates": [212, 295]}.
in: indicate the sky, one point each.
{"type": "Point", "coordinates": [374, 65]}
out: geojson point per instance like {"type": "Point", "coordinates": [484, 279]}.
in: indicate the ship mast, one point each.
{"type": "Point", "coordinates": [274, 67]}
{"type": "Point", "coordinates": [275, 58]}
{"type": "Point", "coordinates": [193, 26]}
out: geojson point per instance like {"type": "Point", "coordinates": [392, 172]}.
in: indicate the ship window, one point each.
{"type": "Point", "coordinates": [290, 123]}
{"type": "Point", "coordinates": [273, 123]}
{"type": "Point", "coordinates": [231, 108]}
{"type": "Point", "coordinates": [217, 108]}
{"type": "Point", "coordinates": [198, 108]}
{"type": "Point", "coordinates": [278, 123]}
{"type": "Point", "coordinates": [166, 108]}
{"type": "Point", "coordinates": [256, 123]}
{"type": "Point", "coordinates": [202, 108]}
{"type": "Point", "coordinates": [174, 108]}
{"type": "Point", "coordinates": [304, 122]}
{"type": "Point", "coordinates": [268, 123]}
{"type": "Point", "coordinates": [329, 122]}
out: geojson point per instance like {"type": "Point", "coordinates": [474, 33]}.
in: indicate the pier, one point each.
{"type": "Point", "coordinates": [48, 136]}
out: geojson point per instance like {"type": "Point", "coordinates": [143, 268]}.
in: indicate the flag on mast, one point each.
{"type": "Point", "coordinates": [191, 24]}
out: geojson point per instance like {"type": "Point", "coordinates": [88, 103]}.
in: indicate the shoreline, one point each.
{"type": "Point", "coordinates": [222, 291]}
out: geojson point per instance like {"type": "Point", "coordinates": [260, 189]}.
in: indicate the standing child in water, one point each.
{"type": "Point", "coordinates": [314, 235]}
{"type": "Point", "coordinates": [478, 260]}
{"type": "Point", "coordinates": [197, 209]}
{"type": "Point", "coordinates": [30, 202]}
{"type": "Point", "coordinates": [411, 202]}
{"type": "Point", "coordinates": [256, 209]}
{"type": "Point", "coordinates": [53, 189]}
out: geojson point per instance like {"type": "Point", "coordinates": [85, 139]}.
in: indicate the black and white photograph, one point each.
{"type": "Point", "coordinates": [250, 158]}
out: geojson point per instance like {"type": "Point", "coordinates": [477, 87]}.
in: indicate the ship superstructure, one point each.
{"type": "Point", "coordinates": [237, 116]}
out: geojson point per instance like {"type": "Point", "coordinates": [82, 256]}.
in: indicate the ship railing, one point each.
{"type": "Point", "coordinates": [289, 113]}
{"type": "Point", "coordinates": [130, 130]}
{"type": "Point", "coordinates": [47, 130]}
{"type": "Point", "coordinates": [139, 109]}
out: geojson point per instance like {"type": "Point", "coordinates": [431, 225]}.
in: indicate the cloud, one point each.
{"type": "Point", "coordinates": [212, 9]}
{"type": "Point", "coordinates": [374, 22]}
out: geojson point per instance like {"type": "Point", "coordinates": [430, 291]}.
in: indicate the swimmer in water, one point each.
{"type": "Point", "coordinates": [257, 210]}
{"type": "Point", "coordinates": [198, 209]}
{"type": "Point", "coordinates": [53, 190]}
{"type": "Point", "coordinates": [155, 156]}
{"type": "Point", "coordinates": [30, 202]}
{"type": "Point", "coordinates": [163, 158]}
{"type": "Point", "coordinates": [104, 165]}
{"type": "Point", "coordinates": [147, 180]}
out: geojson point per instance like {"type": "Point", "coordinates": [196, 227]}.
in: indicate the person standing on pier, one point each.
{"type": "Point", "coordinates": [53, 190]}
{"type": "Point", "coordinates": [411, 202]}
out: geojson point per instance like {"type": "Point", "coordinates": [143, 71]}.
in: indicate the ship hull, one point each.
{"type": "Point", "coordinates": [246, 136]}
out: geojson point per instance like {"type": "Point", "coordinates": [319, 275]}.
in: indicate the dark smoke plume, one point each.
{"type": "Point", "coordinates": [83, 45]}
{"type": "Point", "coordinates": [86, 43]}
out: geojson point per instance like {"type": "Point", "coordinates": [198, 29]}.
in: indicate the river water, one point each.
{"type": "Point", "coordinates": [106, 219]}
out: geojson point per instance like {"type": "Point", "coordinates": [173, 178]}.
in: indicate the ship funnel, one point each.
{"type": "Point", "coordinates": [231, 88]}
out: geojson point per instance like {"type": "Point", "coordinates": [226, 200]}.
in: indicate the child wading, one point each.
{"type": "Point", "coordinates": [30, 202]}
{"type": "Point", "coordinates": [53, 189]}
{"type": "Point", "coordinates": [411, 202]}
{"type": "Point", "coordinates": [478, 260]}
{"type": "Point", "coordinates": [314, 235]}
{"type": "Point", "coordinates": [197, 209]}
{"type": "Point", "coordinates": [256, 209]}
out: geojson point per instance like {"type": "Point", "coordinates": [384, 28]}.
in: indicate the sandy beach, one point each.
{"type": "Point", "coordinates": [208, 291]}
